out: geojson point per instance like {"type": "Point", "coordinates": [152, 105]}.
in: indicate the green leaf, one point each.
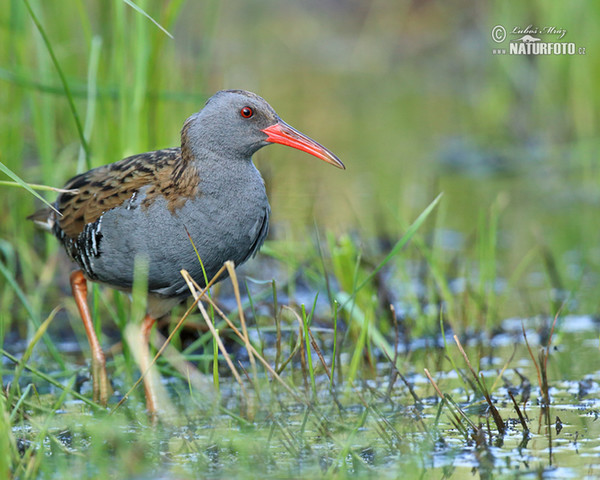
{"type": "Point", "coordinates": [25, 185]}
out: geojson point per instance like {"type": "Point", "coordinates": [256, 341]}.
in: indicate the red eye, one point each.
{"type": "Point", "coordinates": [246, 112]}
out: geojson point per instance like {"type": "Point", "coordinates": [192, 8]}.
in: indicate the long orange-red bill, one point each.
{"type": "Point", "coordinates": [282, 133]}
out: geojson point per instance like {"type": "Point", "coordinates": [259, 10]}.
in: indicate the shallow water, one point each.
{"type": "Point", "coordinates": [363, 431]}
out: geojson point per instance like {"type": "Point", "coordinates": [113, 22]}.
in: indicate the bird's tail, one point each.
{"type": "Point", "coordinates": [44, 219]}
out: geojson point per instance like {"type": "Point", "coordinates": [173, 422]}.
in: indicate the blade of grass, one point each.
{"type": "Point", "coordinates": [80, 90]}
{"type": "Point", "coordinates": [398, 246]}
{"type": "Point", "coordinates": [277, 325]}
{"type": "Point", "coordinates": [216, 361]}
{"type": "Point", "coordinates": [20, 401]}
{"type": "Point", "coordinates": [519, 413]}
{"type": "Point", "coordinates": [168, 340]}
{"type": "Point", "coordinates": [322, 258]}
{"type": "Point", "coordinates": [52, 381]}
{"type": "Point", "coordinates": [63, 80]}
{"type": "Point", "coordinates": [194, 289]}
{"type": "Point", "coordinates": [30, 461]}
{"type": "Point", "coordinates": [255, 316]}
{"type": "Point", "coordinates": [333, 355]}
{"type": "Point", "coordinates": [311, 371]}
{"type": "Point", "coordinates": [296, 348]}
{"type": "Point", "coordinates": [358, 350]}
{"type": "Point", "coordinates": [139, 10]}
{"type": "Point", "coordinates": [204, 275]}
{"type": "Point", "coordinates": [236, 290]}
{"type": "Point", "coordinates": [182, 365]}
{"type": "Point", "coordinates": [91, 97]}
{"type": "Point", "coordinates": [317, 350]}
{"type": "Point", "coordinates": [35, 186]}
{"type": "Point", "coordinates": [32, 316]}
{"type": "Point", "coordinates": [347, 448]}
{"type": "Point", "coordinates": [357, 315]}
{"type": "Point", "coordinates": [29, 350]}
{"type": "Point", "coordinates": [8, 447]}
{"type": "Point", "coordinates": [447, 350]}
{"type": "Point", "coordinates": [21, 183]}
{"type": "Point", "coordinates": [217, 338]}
{"type": "Point", "coordinates": [483, 389]}
{"type": "Point", "coordinates": [455, 411]}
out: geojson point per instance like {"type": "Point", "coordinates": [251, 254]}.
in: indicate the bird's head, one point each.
{"type": "Point", "coordinates": [234, 124]}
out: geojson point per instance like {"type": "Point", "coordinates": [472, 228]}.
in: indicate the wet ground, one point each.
{"type": "Point", "coordinates": [382, 425]}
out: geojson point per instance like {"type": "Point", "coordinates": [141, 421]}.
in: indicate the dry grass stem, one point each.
{"type": "Point", "coordinates": [203, 295]}
{"type": "Point", "coordinates": [312, 339]}
{"type": "Point", "coordinates": [319, 354]}
{"type": "Point", "coordinates": [483, 389]}
{"type": "Point", "coordinates": [197, 296]}
{"type": "Point", "coordinates": [236, 290]}
{"type": "Point", "coordinates": [168, 340]}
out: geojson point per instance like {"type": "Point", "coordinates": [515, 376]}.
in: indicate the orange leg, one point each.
{"type": "Point", "coordinates": [150, 378]}
{"type": "Point", "coordinates": [101, 385]}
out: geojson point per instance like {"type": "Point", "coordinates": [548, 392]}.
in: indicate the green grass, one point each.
{"type": "Point", "coordinates": [413, 101]}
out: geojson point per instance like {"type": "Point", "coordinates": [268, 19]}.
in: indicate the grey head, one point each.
{"type": "Point", "coordinates": [234, 124]}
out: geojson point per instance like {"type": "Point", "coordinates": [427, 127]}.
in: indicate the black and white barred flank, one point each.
{"type": "Point", "coordinates": [83, 248]}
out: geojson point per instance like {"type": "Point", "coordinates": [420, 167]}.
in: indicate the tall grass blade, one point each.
{"type": "Point", "coordinates": [335, 329]}
{"type": "Point", "coordinates": [139, 291]}
{"type": "Point", "coordinates": [399, 245]}
{"type": "Point", "coordinates": [63, 80]}
{"type": "Point", "coordinates": [358, 316]}
{"type": "Point", "coordinates": [36, 186]}
{"type": "Point", "coordinates": [8, 275]}
{"type": "Point", "coordinates": [236, 290]}
{"type": "Point", "coordinates": [29, 350]}
{"type": "Point", "coordinates": [139, 10]}
{"type": "Point", "coordinates": [216, 361]}
{"type": "Point", "coordinates": [27, 187]}
{"type": "Point", "coordinates": [359, 347]}
{"type": "Point", "coordinates": [51, 381]}
{"type": "Point", "coordinates": [172, 334]}
{"type": "Point", "coordinates": [92, 91]}
{"type": "Point", "coordinates": [306, 326]}
{"type": "Point", "coordinates": [8, 449]}
{"type": "Point", "coordinates": [20, 401]}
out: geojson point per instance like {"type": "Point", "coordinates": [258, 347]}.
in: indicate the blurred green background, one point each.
{"type": "Point", "coordinates": [407, 93]}
{"type": "Point", "coordinates": [412, 98]}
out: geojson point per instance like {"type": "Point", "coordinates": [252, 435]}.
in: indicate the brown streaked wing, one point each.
{"type": "Point", "coordinates": [107, 187]}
